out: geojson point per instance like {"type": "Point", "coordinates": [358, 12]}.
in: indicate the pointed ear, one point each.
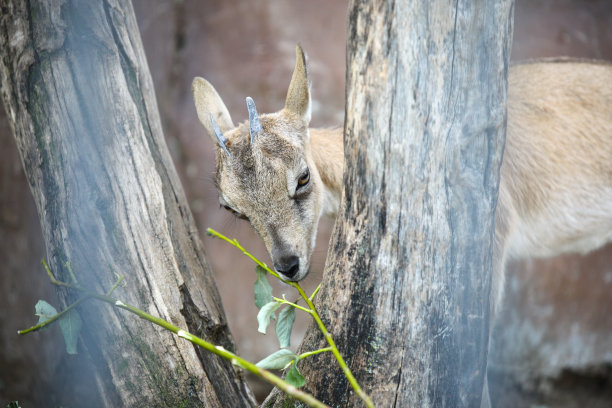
{"type": "Point", "coordinates": [207, 102]}
{"type": "Point", "coordinates": [298, 96]}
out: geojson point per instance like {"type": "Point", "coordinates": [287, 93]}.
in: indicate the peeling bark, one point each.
{"type": "Point", "coordinates": [407, 280]}
{"type": "Point", "coordinates": [78, 94]}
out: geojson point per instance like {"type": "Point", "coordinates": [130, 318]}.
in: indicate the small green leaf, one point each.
{"type": "Point", "coordinates": [284, 325]}
{"type": "Point", "coordinates": [263, 290]}
{"type": "Point", "coordinates": [13, 404]}
{"type": "Point", "coordinates": [277, 360]}
{"type": "Point", "coordinates": [264, 315]}
{"type": "Point", "coordinates": [71, 324]}
{"type": "Point", "coordinates": [294, 377]}
{"type": "Point", "coordinates": [44, 311]}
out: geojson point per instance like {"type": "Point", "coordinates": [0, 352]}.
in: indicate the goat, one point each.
{"type": "Point", "coordinates": [555, 192]}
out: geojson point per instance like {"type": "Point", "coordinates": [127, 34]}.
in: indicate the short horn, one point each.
{"type": "Point", "coordinates": [220, 138]}
{"type": "Point", "coordinates": [254, 123]}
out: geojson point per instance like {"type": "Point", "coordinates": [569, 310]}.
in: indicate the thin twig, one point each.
{"type": "Point", "coordinates": [312, 353]}
{"type": "Point", "coordinates": [286, 302]}
{"type": "Point", "coordinates": [72, 276]}
{"type": "Point", "coordinates": [112, 289]}
{"type": "Point", "coordinates": [315, 292]}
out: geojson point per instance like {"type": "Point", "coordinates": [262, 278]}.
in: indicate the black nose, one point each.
{"type": "Point", "coordinates": [287, 265]}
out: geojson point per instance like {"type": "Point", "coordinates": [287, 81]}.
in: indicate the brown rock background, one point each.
{"type": "Point", "coordinates": [553, 340]}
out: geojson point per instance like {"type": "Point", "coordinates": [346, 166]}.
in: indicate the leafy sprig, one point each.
{"type": "Point", "coordinates": [70, 324]}
{"type": "Point", "coordinates": [268, 308]}
{"type": "Point", "coordinates": [48, 315]}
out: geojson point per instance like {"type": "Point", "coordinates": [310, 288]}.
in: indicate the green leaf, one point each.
{"type": "Point", "coordinates": [294, 377]}
{"type": "Point", "coordinates": [44, 311]}
{"type": "Point", "coordinates": [13, 404]}
{"type": "Point", "coordinates": [277, 360]}
{"type": "Point", "coordinates": [71, 324]}
{"type": "Point", "coordinates": [284, 326]}
{"type": "Point", "coordinates": [264, 315]}
{"type": "Point", "coordinates": [263, 290]}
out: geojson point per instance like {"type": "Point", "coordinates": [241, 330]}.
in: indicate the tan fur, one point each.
{"type": "Point", "coordinates": [555, 191]}
{"type": "Point", "coordinates": [557, 168]}
{"type": "Point", "coordinates": [328, 156]}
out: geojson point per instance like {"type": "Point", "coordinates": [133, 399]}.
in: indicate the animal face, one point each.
{"type": "Point", "coordinates": [265, 172]}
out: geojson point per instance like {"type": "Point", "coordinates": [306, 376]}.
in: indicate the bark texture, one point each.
{"type": "Point", "coordinates": [77, 90]}
{"type": "Point", "coordinates": [407, 281]}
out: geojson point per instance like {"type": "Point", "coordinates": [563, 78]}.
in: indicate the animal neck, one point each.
{"type": "Point", "coordinates": [327, 149]}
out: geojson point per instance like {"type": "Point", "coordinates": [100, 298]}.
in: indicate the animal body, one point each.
{"type": "Point", "coordinates": [555, 192]}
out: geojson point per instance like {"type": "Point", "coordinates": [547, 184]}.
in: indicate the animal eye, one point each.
{"type": "Point", "coordinates": [236, 213]}
{"type": "Point", "coordinates": [304, 179]}
{"type": "Point", "coordinates": [230, 209]}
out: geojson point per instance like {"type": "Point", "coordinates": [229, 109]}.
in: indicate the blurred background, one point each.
{"type": "Point", "coordinates": [553, 340]}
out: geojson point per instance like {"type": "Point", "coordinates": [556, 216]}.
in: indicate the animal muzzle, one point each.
{"type": "Point", "coordinates": [287, 265]}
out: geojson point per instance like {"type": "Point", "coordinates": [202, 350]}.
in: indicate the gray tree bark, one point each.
{"type": "Point", "coordinates": [407, 280]}
{"type": "Point", "coordinates": [77, 90]}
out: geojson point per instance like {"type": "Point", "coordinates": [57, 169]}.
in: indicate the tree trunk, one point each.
{"type": "Point", "coordinates": [407, 281]}
{"type": "Point", "coordinates": [77, 90]}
